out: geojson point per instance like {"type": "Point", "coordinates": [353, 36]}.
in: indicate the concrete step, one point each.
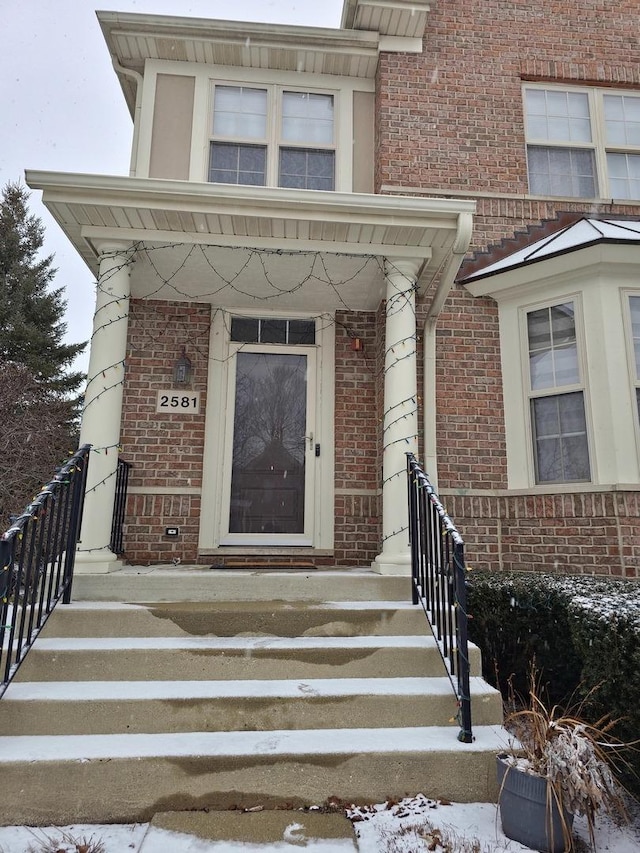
{"type": "Point", "coordinates": [233, 618]}
{"type": "Point", "coordinates": [268, 830]}
{"type": "Point", "coordinates": [195, 658]}
{"type": "Point", "coordinates": [108, 707]}
{"type": "Point", "coordinates": [126, 778]}
{"type": "Point", "coordinates": [148, 584]}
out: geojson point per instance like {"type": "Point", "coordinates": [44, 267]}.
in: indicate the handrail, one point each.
{"type": "Point", "coordinates": [37, 557]}
{"type": "Point", "coordinates": [439, 583]}
{"type": "Point", "coordinates": [119, 506]}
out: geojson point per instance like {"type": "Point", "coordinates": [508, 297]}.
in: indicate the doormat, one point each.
{"type": "Point", "coordinates": [265, 566]}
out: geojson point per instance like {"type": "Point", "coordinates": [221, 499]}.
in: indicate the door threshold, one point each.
{"type": "Point", "coordinates": [258, 551]}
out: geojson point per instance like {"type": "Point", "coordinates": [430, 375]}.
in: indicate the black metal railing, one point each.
{"type": "Point", "coordinates": [37, 556]}
{"type": "Point", "coordinates": [439, 583]}
{"type": "Point", "coordinates": [119, 506]}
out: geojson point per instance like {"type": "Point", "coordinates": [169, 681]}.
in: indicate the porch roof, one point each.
{"type": "Point", "coordinates": [92, 209]}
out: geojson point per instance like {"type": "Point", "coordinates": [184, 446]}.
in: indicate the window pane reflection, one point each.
{"type": "Point", "coordinates": [269, 441]}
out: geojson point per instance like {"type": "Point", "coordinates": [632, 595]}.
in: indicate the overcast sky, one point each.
{"type": "Point", "coordinates": [62, 109]}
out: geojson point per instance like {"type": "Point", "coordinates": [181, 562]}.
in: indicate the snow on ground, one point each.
{"type": "Point", "coordinates": [414, 825]}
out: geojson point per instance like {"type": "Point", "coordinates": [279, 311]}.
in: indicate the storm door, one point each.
{"type": "Point", "coordinates": [270, 446]}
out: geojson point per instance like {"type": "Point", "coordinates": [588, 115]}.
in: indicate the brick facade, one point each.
{"type": "Point", "coordinates": [585, 533]}
{"type": "Point", "coordinates": [166, 449]}
{"type": "Point", "coordinates": [450, 122]}
{"type": "Point", "coordinates": [357, 450]}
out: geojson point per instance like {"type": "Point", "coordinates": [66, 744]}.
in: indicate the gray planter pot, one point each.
{"type": "Point", "coordinates": [526, 813]}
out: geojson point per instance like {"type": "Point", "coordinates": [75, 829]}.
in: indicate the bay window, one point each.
{"type": "Point", "coordinates": [558, 422]}
{"type": "Point", "coordinates": [634, 310]}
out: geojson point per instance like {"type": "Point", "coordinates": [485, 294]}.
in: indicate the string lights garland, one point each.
{"type": "Point", "coordinates": [315, 271]}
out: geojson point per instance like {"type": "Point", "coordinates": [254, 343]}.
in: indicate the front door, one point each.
{"type": "Point", "coordinates": [270, 446]}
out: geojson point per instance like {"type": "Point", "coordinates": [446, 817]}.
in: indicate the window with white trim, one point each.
{"type": "Point", "coordinates": [272, 136]}
{"type": "Point", "coordinates": [583, 142]}
{"type": "Point", "coordinates": [556, 396]}
{"type": "Point", "coordinates": [634, 311]}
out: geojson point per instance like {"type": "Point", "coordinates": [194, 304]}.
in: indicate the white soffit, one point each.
{"type": "Point", "coordinates": [133, 38]}
{"type": "Point", "coordinates": [95, 208]}
{"type": "Point", "coordinates": [403, 18]}
{"type": "Point", "coordinates": [585, 232]}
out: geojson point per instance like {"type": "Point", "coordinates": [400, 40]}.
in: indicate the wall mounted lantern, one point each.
{"type": "Point", "coordinates": [182, 370]}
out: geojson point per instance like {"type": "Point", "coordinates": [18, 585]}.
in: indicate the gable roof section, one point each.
{"type": "Point", "coordinates": [578, 235]}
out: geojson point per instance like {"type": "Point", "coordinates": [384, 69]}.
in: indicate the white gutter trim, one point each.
{"type": "Point", "coordinates": [156, 192]}
{"type": "Point", "coordinates": [452, 265]}
{"type": "Point", "coordinates": [138, 80]}
{"type": "Point", "coordinates": [447, 278]}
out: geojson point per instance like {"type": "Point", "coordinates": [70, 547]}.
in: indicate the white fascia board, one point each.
{"type": "Point", "coordinates": [189, 195]}
{"type": "Point", "coordinates": [567, 265]}
{"type": "Point", "coordinates": [178, 27]}
{"type": "Point", "coordinates": [133, 25]}
{"type": "Point", "coordinates": [399, 44]}
{"type": "Point", "coordinates": [96, 235]}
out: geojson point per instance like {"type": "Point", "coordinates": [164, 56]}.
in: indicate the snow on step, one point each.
{"type": "Point", "coordinates": [346, 742]}
{"type": "Point", "coordinates": [277, 605]}
{"type": "Point", "coordinates": [92, 691]}
{"type": "Point", "coordinates": [248, 644]}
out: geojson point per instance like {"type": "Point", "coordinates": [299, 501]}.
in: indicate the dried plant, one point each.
{"type": "Point", "coordinates": [65, 843]}
{"type": "Point", "coordinates": [578, 758]}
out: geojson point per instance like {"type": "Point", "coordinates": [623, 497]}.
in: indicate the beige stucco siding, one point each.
{"type": "Point", "coordinates": [363, 141]}
{"type": "Point", "coordinates": [172, 122]}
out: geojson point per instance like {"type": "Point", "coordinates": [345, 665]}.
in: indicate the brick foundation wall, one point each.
{"type": "Point", "coordinates": [585, 533]}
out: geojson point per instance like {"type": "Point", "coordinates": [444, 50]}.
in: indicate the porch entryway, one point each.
{"type": "Point", "coordinates": [205, 253]}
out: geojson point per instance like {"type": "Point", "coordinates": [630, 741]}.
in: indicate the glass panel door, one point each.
{"type": "Point", "coordinates": [271, 447]}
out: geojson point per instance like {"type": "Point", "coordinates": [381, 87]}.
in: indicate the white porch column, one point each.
{"type": "Point", "coordinates": [102, 413]}
{"type": "Point", "coordinates": [400, 412]}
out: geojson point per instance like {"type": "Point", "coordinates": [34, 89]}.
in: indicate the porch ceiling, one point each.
{"type": "Point", "coordinates": [292, 245]}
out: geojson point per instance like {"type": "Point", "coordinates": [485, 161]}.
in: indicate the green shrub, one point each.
{"type": "Point", "coordinates": [584, 633]}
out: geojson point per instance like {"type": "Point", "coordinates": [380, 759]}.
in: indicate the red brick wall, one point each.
{"type": "Point", "coordinates": [167, 450]}
{"type": "Point", "coordinates": [357, 460]}
{"type": "Point", "coordinates": [451, 121]}
{"type": "Point", "coordinates": [451, 117]}
{"type": "Point", "coordinates": [164, 449]}
{"type": "Point", "coordinates": [586, 533]}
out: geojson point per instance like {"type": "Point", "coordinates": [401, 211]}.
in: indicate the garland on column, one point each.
{"type": "Point", "coordinates": [316, 272]}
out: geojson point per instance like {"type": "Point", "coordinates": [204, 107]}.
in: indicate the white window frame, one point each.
{"type": "Point", "coordinates": [598, 144]}
{"type": "Point", "coordinates": [634, 373]}
{"type": "Point", "coordinates": [273, 141]}
{"type": "Point", "coordinates": [554, 391]}
{"type": "Point", "coordinates": [219, 403]}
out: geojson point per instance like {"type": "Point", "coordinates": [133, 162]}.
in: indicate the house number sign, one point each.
{"type": "Point", "coordinates": [178, 402]}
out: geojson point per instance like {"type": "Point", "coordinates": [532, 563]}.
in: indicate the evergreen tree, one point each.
{"type": "Point", "coordinates": [31, 326]}
{"type": "Point", "coordinates": [38, 406]}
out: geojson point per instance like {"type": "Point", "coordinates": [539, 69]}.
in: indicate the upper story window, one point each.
{"type": "Point", "coordinates": [271, 136]}
{"type": "Point", "coordinates": [583, 143]}
{"type": "Point", "coordinates": [558, 422]}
